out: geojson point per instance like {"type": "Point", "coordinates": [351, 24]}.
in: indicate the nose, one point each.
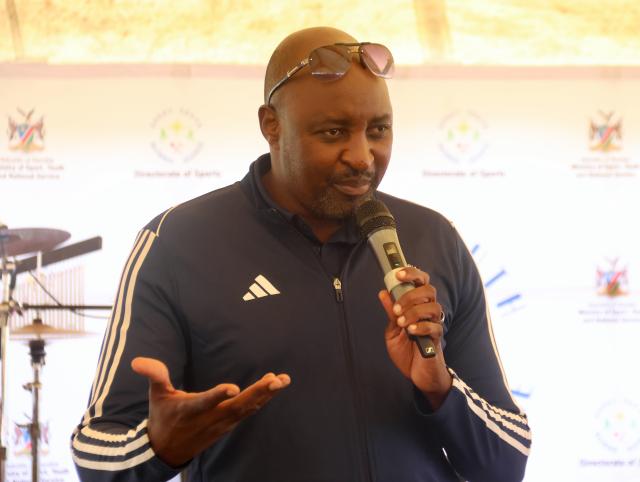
{"type": "Point", "coordinates": [358, 153]}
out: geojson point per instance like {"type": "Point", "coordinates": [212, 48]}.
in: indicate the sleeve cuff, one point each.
{"type": "Point", "coordinates": [424, 407]}
{"type": "Point", "coordinates": [163, 471]}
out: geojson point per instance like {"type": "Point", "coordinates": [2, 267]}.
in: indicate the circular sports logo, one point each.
{"type": "Point", "coordinates": [463, 137]}
{"type": "Point", "coordinates": [176, 135]}
{"type": "Point", "coordinates": [618, 425]}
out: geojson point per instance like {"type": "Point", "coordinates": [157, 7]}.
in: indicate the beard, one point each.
{"type": "Point", "coordinates": [325, 201]}
{"type": "Point", "coordinates": [330, 203]}
{"type": "Point", "coordinates": [334, 205]}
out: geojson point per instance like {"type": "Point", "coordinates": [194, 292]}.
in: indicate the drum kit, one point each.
{"type": "Point", "coordinates": [39, 243]}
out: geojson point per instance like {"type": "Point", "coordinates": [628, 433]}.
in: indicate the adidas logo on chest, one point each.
{"type": "Point", "coordinates": [261, 288]}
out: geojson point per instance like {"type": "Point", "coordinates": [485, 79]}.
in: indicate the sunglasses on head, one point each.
{"type": "Point", "coordinates": [331, 62]}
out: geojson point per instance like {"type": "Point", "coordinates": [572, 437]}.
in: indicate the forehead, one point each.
{"type": "Point", "coordinates": [359, 94]}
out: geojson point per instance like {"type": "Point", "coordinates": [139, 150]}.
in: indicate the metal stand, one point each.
{"type": "Point", "coordinates": [6, 308]}
{"type": "Point", "coordinates": [15, 242]}
{"type": "Point", "coordinates": [36, 350]}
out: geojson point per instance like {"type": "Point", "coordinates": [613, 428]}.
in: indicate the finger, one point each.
{"type": "Point", "coordinates": [280, 382]}
{"type": "Point", "coordinates": [417, 296]}
{"type": "Point", "coordinates": [214, 396]}
{"type": "Point", "coordinates": [155, 371]}
{"type": "Point", "coordinates": [426, 328]}
{"type": "Point", "coordinates": [424, 312]}
{"type": "Point", "coordinates": [272, 382]}
{"type": "Point", "coordinates": [252, 398]}
{"type": "Point", "coordinates": [413, 275]}
{"type": "Point", "coordinates": [387, 304]}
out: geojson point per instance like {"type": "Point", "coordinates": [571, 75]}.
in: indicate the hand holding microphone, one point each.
{"type": "Point", "coordinates": [415, 318]}
{"type": "Point", "coordinates": [379, 227]}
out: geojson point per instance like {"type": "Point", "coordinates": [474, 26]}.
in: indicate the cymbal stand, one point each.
{"type": "Point", "coordinates": [36, 350]}
{"type": "Point", "coordinates": [6, 308]}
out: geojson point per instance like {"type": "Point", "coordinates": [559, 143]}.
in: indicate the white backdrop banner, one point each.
{"type": "Point", "coordinates": [539, 169]}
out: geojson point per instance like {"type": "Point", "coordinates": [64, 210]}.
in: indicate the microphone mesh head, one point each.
{"type": "Point", "coordinates": [373, 215]}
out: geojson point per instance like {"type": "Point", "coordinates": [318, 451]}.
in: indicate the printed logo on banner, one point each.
{"type": "Point", "coordinates": [605, 157]}
{"type": "Point", "coordinates": [176, 135]}
{"type": "Point", "coordinates": [609, 302]}
{"type": "Point", "coordinates": [618, 425]}
{"type": "Point", "coordinates": [616, 430]}
{"type": "Point", "coordinates": [462, 141]}
{"type": "Point", "coordinates": [605, 133]}
{"type": "Point", "coordinates": [25, 136]}
{"type": "Point", "coordinates": [22, 439]}
{"type": "Point", "coordinates": [18, 464]}
{"type": "Point", "coordinates": [612, 281]}
{"type": "Point", "coordinates": [462, 137]}
{"type": "Point", "coordinates": [177, 141]}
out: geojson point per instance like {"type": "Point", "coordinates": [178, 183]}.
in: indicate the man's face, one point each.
{"type": "Point", "coordinates": [334, 145]}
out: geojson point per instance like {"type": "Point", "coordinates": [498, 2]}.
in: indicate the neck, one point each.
{"type": "Point", "coordinates": [322, 228]}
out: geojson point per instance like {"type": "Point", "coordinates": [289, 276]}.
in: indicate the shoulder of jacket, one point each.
{"type": "Point", "coordinates": [407, 210]}
{"type": "Point", "coordinates": [214, 204]}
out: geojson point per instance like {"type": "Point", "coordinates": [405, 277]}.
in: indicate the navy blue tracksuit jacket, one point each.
{"type": "Point", "coordinates": [227, 287]}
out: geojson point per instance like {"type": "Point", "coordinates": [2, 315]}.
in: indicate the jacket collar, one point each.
{"type": "Point", "coordinates": [254, 188]}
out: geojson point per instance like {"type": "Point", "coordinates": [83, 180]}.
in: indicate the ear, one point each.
{"type": "Point", "coordinates": [269, 125]}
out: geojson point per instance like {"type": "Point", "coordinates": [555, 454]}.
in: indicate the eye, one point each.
{"type": "Point", "coordinates": [335, 132]}
{"type": "Point", "coordinates": [332, 134]}
{"type": "Point", "coordinates": [379, 130]}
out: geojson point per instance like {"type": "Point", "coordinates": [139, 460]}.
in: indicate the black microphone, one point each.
{"type": "Point", "coordinates": [377, 225]}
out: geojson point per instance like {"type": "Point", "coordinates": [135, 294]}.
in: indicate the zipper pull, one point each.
{"type": "Point", "coordinates": [337, 285]}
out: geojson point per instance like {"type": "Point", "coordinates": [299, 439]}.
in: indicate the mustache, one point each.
{"type": "Point", "coordinates": [354, 177]}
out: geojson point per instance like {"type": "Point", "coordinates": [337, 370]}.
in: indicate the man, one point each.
{"type": "Point", "coordinates": [358, 401]}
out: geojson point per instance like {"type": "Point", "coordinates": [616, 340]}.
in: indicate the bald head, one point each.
{"type": "Point", "coordinates": [329, 142]}
{"type": "Point", "coordinates": [296, 47]}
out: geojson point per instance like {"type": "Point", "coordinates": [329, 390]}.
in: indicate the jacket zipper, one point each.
{"type": "Point", "coordinates": [337, 285]}
{"type": "Point", "coordinates": [365, 458]}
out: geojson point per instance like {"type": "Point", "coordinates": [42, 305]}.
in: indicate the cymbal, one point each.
{"type": "Point", "coordinates": [29, 240]}
{"type": "Point", "coordinates": [38, 329]}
